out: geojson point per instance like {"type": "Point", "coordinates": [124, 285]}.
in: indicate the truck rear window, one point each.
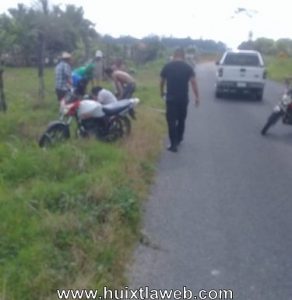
{"type": "Point", "coordinates": [239, 59]}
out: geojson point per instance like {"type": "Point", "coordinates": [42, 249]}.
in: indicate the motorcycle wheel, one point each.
{"type": "Point", "coordinates": [127, 126]}
{"type": "Point", "coordinates": [272, 120]}
{"type": "Point", "coordinates": [54, 135]}
{"type": "Point", "coordinates": [114, 130]}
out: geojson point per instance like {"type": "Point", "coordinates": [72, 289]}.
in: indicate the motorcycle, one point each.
{"type": "Point", "coordinates": [106, 122]}
{"type": "Point", "coordinates": [282, 110]}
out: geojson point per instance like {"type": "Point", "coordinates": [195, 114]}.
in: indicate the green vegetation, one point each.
{"type": "Point", "coordinates": [280, 47]}
{"type": "Point", "coordinates": [70, 215]}
{"type": "Point", "coordinates": [279, 67]}
{"type": "Point", "coordinates": [37, 34]}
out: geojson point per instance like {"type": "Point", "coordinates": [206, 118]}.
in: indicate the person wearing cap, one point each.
{"type": "Point", "coordinates": [98, 68]}
{"type": "Point", "coordinates": [63, 72]}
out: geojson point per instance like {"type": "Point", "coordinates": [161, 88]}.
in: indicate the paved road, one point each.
{"type": "Point", "coordinates": [220, 212]}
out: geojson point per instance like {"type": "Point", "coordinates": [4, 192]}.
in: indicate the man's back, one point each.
{"type": "Point", "coordinates": [177, 75]}
{"type": "Point", "coordinates": [123, 77]}
{"type": "Point", "coordinates": [106, 97]}
{"type": "Point", "coordinates": [85, 72]}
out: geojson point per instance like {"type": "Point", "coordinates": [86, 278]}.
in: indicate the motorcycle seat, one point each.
{"type": "Point", "coordinates": [116, 107]}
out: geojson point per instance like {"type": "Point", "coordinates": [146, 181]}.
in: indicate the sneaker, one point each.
{"type": "Point", "coordinates": [180, 141]}
{"type": "Point", "coordinates": [172, 148]}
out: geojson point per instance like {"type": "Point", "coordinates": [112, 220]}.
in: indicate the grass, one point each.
{"type": "Point", "coordinates": [279, 67]}
{"type": "Point", "coordinates": [70, 216]}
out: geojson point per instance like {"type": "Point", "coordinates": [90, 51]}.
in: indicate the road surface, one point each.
{"type": "Point", "coordinates": [220, 211]}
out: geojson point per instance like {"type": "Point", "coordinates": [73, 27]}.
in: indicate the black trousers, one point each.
{"type": "Point", "coordinates": [176, 113]}
{"type": "Point", "coordinates": [80, 89]}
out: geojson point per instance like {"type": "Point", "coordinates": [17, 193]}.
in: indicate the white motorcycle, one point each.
{"type": "Point", "coordinates": [106, 122]}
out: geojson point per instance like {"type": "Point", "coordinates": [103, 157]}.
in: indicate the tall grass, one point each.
{"type": "Point", "coordinates": [279, 67]}
{"type": "Point", "coordinates": [70, 215]}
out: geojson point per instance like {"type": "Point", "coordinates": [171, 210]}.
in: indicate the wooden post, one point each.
{"type": "Point", "coordinates": [3, 106]}
{"type": "Point", "coordinates": [41, 67]}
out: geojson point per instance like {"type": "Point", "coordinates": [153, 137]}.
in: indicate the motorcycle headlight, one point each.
{"type": "Point", "coordinates": [135, 101]}
{"type": "Point", "coordinates": [64, 109]}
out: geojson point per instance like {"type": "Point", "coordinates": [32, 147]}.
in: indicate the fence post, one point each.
{"type": "Point", "coordinates": [3, 106]}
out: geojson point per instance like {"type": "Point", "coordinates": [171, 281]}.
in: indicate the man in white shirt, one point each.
{"type": "Point", "coordinates": [103, 96]}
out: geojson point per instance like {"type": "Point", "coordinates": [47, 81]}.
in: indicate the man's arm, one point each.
{"type": "Point", "coordinates": [195, 90]}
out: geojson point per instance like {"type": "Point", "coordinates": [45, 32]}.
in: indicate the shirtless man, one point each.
{"type": "Point", "coordinates": [124, 83]}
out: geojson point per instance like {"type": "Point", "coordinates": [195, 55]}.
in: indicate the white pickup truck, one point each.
{"type": "Point", "coordinates": [241, 71]}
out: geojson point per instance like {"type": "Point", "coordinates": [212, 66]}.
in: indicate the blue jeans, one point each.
{"type": "Point", "coordinates": [128, 90]}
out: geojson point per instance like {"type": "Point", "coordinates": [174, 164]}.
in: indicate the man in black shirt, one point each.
{"type": "Point", "coordinates": [177, 75]}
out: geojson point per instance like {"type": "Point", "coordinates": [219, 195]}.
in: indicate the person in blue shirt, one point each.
{"type": "Point", "coordinates": [81, 77]}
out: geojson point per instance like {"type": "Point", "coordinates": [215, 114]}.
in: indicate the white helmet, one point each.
{"type": "Point", "coordinates": [65, 55]}
{"type": "Point", "coordinates": [98, 53]}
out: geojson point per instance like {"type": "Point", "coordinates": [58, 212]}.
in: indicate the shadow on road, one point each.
{"type": "Point", "coordinates": [240, 98]}
{"type": "Point", "coordinates": [284, 138]}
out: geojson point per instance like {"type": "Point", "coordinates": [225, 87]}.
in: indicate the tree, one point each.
{"type": "Point", "coordinates": [247, 45]}
{"type": "Point", "coordinates": [79, 28]}
{"type": "Point", "coordinates": [24, 20]}
{"type": "Point", "coordinates": [7, 35]}
{"type": "Point", "coordinates": [6, 41]}
{"type": "Point", "coordinates": [42, 19]}
{"type": "Point", "coordinates": [265, 46]}
{"type": "Point", "coordinates": [284, 46]}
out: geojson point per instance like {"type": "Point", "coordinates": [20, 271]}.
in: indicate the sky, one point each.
{"type": "Point", "coordinates": [206, 19]}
